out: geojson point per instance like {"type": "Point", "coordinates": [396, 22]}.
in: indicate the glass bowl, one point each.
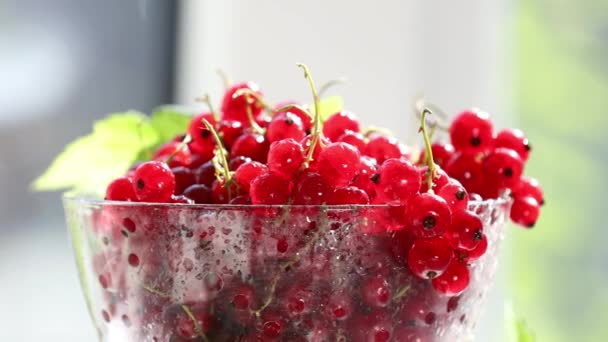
{"type": "Point", "coordinates": [174, 272]}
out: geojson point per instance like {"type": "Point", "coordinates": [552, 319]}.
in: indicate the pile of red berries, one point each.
{"type": "Point", "coordinates": [252, 153]}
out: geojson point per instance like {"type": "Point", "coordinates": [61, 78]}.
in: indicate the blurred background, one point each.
{"type": "Point", "coordinates": [541, 66]}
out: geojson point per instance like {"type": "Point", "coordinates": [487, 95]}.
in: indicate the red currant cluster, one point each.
{"type": "Point", "coordinates": [262, 155]}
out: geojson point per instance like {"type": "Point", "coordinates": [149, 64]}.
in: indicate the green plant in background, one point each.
{"type": "Point", "coordinates": [560, 269]}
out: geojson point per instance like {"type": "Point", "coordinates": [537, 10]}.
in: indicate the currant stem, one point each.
{"type": "Point", "coordinates": [329, 84]}
{"type": "Point", "coordinates": [286, 108]}
{"type": "Point", "coordinates": [182, 145]}
{"type": "Point", "coordinates": [429, 152]}
{"type": "Point", "coordinates": [207, 100]}
{"type": "Point", "coordinates": [224, 76]}
{"type": "Point", "coordinates": [197, 326]}
{"type": "Point", "coordinates": [220, 151]}
{"type": "Point", "coordinates": [316, 129]}
{"type": "Point", "coordinates": [373, 129]}
{"type": "Point", "coordinates": [254, 125]}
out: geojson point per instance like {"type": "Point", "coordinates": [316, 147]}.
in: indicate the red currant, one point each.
{"type": "Point", "coordinates": [515, 140]}
{"type": "Point", "coordinates": [285, 157]}
{"type": "Point", "coordinates": [200, 194]}
{"type": "Point", "coordinates": [236, 108]}
{"type": "Point", "coordinates": [375, 291]}
{"type": "Point", "coordinates": [502, 169]}
{"type": "Point", "coordinates": [121, 189]}
{"type": "Point", "coordinates": [428, 215]}
{"type": "Point", "coordinates": [306, 119]}
{"type": "Point", "coordinates": [223, 192]}
{"type": "Point", "coordinates": [153, 182]}
{"type": "Point", "coordinates": [230, 130]}
{"type": "Point", "coordinates": [202, 140]}
{"type": "Point", "coordinates": [339, 306]}
{"type": "Point", "coordinates": [318, 148]}
{"type": "Point", "coordinates": [429, 258]}
{"type": "Point", "coordinates": [454, 280]}
{"type": "Point", "coordinates": [472, 132]}
{"type": "Point", "coordinates": [338, 163]}
{"type": "Point", "coordinates": [184, 177]}
{"type": "Point", "coordinates": [525, 211]}
{"type": "Point", "coordinates": [468, 170]}
{"type": "Point", "coordinates": [269, 188]}
{"type": "Point", "coordinates": [205, 174]}
{"type": "Point", "coordinates": [466, 230]}
{"type": "Point", "coordinates": [477, 252]}
{"type": "Point", "coordinates": [179, 155]}
{"type": "Point", "coordinates": [284, 126]}
{"type": "Point", "coordinates": [312, 189]}
{"type": "Point", "coordinates": [357, 140]}
{"type": "Point", "coordinates": [529, 187]}
{"type": "Point", "coordinates": [455, 194]}
{"type": "Point", "coordinates": [349, 195]}
{"type": "Point", "coordinates": [396, 181]}
{"type": "Point", "coordinates": [381, 148]}
{"type": "Point", "coordinates": [442, 153]}
{"type": "Point", "coordinates": [251, 145]}
{"type": "Point", "coordinates": [237, 161]}
{"type": "Point", "coordinates": [338, 123]}
{"type": "Point", "coordinates": [247, 172]}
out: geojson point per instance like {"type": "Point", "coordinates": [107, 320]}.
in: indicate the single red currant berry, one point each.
{"type": "Point", "coordinates": [525, 211]}
{"type": "Point", "coordinates": [153, 182]}
{"type": "Point", "coordinates": [503, 168]}
{"type": "Point", "coordinates": [229, 130]}
{"type": "Point", "coordinates": [235, 162]}
{"type": "Point", "coordinates": [312, 189]}
{"type": "Point", "coordinates": [466, 230]}
{"type": "Point", "coordinates": [396, 181]}
{"type": "Point", "coordinates": [339, 306]}
{"type": "Point", "coordinates": [468, 170]}
{"type": "Point", "coordinates": [121, 189]}
{"type": "Point", "coordinates": [269, 188]}
{"type": "Point", "coordinates": [285, 157]}
{"type": "Point", "coordinates": [381, 148]}
{"type": "Point", "coordinates": [298, 300]}
{"type": "Point", "coordinates": [338, 123]}
{"type": "Point", "coordinates": [241, 200]}
{"type": "Point", "coordinates": [428, 215]}
{"type": "Point", "coordinates": [429, 258]}
{"type": "Point", "coordinates": [272, 329]}
{"type": "Point", "coordinates": [247, 172]}
{"type": "Point", "coordinates": [222, 192]}
{"type": "Point", "coordinates": [243, 297]}
{"type": "Point", "coordinates": [477, 252]}
{"type": "Point", "coordinates": [236, 108]}
{"type": "Point", "coordinates": [375, 291]}
{"type": "Point", "coordinates": [529, 187]}
{"type": "Point", "coordinates": [285, 126]}
{"type": "Point", "coordinates": [305, 117]}
{"type": "Point", "coordinates": [455, 194]}
{"type": "Point", "coordinates": [472, 132]}
{"type": "Point", "coordinates": [184, 177]}
{"type": "Point", "coordinates": [349, 195]}
{"type": "Point", "coordinates": [251, 145]}
{"type": "Point", "coordinates": [202, 140]}
{"type": "Point", "coordinates": [454, 280]}
{"type": "Point", "coordinates": [515, 140]}
{"type": "Point", "coordinates": [356, 139]}
{"type": "Point", "coordinates": [205, 174]}
{"type": "Point", "coordinates": [338, 163]}
{"type": "Point", "coordinates": [200, 194]}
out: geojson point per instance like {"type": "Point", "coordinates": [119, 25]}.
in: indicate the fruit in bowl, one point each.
{"type": "Point", "coordinates": [290, 223]}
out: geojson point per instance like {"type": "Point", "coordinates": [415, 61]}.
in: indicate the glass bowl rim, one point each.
{"type": "Point", "coordinates": [91, 200]}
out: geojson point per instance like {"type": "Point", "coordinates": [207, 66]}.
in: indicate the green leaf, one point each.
{"type": "Point", "coordinates": [328, 106]}
{"type": "Point", "coordinates": [170, 121]}
{"type": "Point", "coordinates": [89, 163]}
